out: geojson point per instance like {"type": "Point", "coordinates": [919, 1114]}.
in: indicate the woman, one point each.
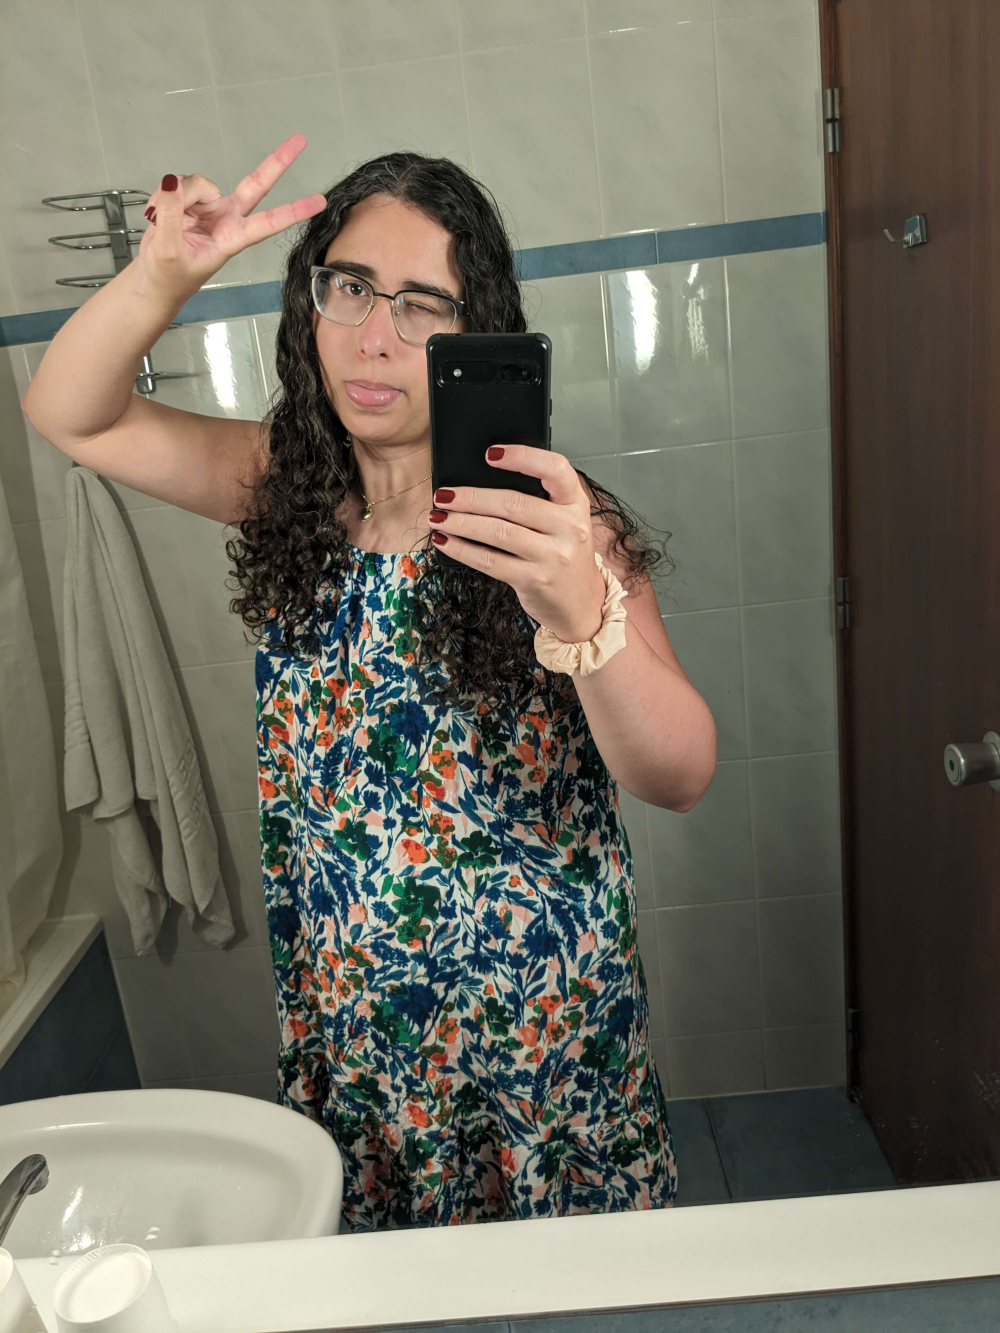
{"type": "Point", "coordinates": [449, 886]}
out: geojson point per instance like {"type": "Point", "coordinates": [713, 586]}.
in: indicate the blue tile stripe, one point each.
{"type": "Point", "coordinates": [638, 250]}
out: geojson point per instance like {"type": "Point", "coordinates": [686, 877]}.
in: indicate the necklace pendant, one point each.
{"type": "Point", "coordinates": [367, 514]}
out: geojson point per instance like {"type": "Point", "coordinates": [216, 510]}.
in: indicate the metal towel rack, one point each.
{"type": "Point", "coordinates": [117, 237]}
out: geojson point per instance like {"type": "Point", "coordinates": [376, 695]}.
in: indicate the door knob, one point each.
{"type": "Point", "coordinates": [974, 762]}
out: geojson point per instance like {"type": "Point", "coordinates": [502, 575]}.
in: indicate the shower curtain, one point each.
{"type": "Point", "coordinates": [31, 838]}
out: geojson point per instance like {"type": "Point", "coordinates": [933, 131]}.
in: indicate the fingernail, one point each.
{"type": "Point", "coordinates": [443, 497]}
{"type": "Point", "coordinates": [169, 182]}
{"type": "Point", "coordinates": [436, 516]}
{"type": "Point", "coordinates": [494, 453]}
{"type": "Point", "coordinates": [149, 212]}
{"type": "Point", "coordinates": [438, 538]}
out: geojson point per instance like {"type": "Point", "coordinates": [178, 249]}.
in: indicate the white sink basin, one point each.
{"type": "Point", "coordinates": [168, 1167]}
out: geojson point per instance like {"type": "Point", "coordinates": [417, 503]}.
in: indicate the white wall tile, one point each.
{"type": "Point", "coordinates": [668, 326]}
{"type": "Point", "coordinates": [151, 989]}
{"type": "Point", "coordinates": [633, 817]}
{"type": "Point", "coordinates": [784, 513]}
{"type": "Point", "coordinates": [796, 824]}
{"type": "Point", "coordinates": [790, 677]}
{"type": "Point", "coordinates": [32, 470]}
{"type": "Point", "coordinates": [160, 132]}
{"type": "Point", "coordinates": [250, 41]}
{"type": "Point", "coordinates": [770, 103]}
{"type": "Point", "coordinates": [708, 968]}
{"type": "Point", "coordinates": [220, 365]}
{"type": "Point", "coordinates": [706, 855]}
{"type": "Point", "coordinates": [52, 147]}
{"type": "Point", "coordinates": [155, 48]}
{"type": "Point", "coordinates": [570, 311]}
{"type": "Point", "coordinates": [777, 309]}
{"type": "Point", "coordinates": [484, 23]}
{"type": "Point", "coordinates": [381, 30]}
{"type": "Point", "coordinates": [155, 534]}
{"type": "Point", "coordinates": [649, 951]}
{"type": "Point", "coordinates": [689, 492]}
{"type": "Point", "coordinates": [709, 645]}
{"type": "Point", "coordinates": [805, 1057]}
{"type": "Point", "coordinates": [384, 114]}
{"type": "Point", "coordinates": [654, 91]}
{"type": "Point", "coordinates": [225, 1003]}
{"type": "Point", "coordinates": [28, 30]}
{"type": "Point", "coordinates": [726, 9]}
{"type": "Point", "coordinates": [41, 548]}
{"type": "Point", "coordinates": [8, 306]}
{"type": "Point", "coordinates": [263, 1085]}
{"type": "Point", "coordinates": [802, 960]}
{"type": "Point", "coordinates": [615, 15]}
{"type": "Point", "coordinates": [716, 1064]}
{"type": "Point", "coordinates": [220, 704]}
{"type": "Point", "coordinates": [533, 138]}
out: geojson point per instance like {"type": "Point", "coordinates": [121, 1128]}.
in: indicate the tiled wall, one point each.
{"type": "Point", "coordinates": [696, 390]}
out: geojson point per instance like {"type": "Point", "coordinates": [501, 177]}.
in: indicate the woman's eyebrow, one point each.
{"type": "Point", "coordinates": [411, 284]}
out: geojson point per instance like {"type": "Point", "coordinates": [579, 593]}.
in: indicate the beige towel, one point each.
{"type": "Point", "coordinates": [127, 735]}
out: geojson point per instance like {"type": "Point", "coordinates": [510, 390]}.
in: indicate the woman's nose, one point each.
{"type": "Point", "coordinates": [378, 332]}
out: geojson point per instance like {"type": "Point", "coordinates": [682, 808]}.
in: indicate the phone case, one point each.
{"type": "Point", "coordinates": [502, 395]}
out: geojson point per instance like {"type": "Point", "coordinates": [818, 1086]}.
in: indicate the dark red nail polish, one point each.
{"type": "Point", "coordinates": [494, 453]}
{"type": "Point", "coordinates": [149, 212]}
{"type": "Point", "coordinates": [443, 497]}
{"type": "Point", "coordinates": [169, 182]}
{"type": "Point", "coordinates": [438, 538]}
{"type": "Point", "coordinates": [437, 516]}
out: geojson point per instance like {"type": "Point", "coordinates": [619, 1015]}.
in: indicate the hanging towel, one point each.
{"type": "Point", "coordinates": [127, 735]}
{"type": "Point", "coordinates": [31, 836]}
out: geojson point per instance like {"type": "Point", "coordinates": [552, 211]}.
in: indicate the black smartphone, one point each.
{"type": "Point", "coordinates": [487, 388]}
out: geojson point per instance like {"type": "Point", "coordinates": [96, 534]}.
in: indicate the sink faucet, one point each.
{"type": "Point", "coordinates": [28, 1177]}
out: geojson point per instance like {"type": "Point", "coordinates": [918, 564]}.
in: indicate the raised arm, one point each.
{"type": "Point", "coordinates": [82, 396]}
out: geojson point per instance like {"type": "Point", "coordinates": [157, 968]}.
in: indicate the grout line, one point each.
{"type": "Point", "coordinates": [593, 128]}
{"type": "Point", "coordinates": [718, 108]}
{"type": "Point", "coordinates": [732, 902]}
{"type": "Point", "coordinates": [715, 1139]}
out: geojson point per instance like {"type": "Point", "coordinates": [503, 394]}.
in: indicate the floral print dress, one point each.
{"type": "Point", "coordinates": [452, 917]}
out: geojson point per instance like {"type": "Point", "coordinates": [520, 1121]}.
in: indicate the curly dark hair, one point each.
{"type": "Point", "coordinates": [461, 620]}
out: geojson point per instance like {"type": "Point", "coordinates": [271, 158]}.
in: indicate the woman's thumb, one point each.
{"type": "Point", "coordinates": [168, 203]}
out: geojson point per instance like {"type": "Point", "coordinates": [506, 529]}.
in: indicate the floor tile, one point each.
{"type": "Point", "coordinates": [700, 1177]}
{"type": "Point", "coordinates": [783, 1144]}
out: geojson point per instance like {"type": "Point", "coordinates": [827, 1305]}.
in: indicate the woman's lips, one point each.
{"type": "Point", "coordinates": [368, 394]}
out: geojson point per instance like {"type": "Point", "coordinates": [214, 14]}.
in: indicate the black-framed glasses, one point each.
{"type": "Point", "coordinates": [343, 298]}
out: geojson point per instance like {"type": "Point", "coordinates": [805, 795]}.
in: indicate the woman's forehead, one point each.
{"type": "Point", "coordinates": [389, 236]}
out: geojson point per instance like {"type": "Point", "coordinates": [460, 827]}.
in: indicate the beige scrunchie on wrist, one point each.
{"type": "Point", "coordinates": [557, 655]}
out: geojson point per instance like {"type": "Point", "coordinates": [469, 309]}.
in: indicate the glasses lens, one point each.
{"type": "Point", "coordinates": [419, 315]}
{"type": "Point", "coordinates": [341, 298]}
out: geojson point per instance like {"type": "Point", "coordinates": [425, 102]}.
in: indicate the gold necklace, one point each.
{"type": "Point", "coordinates": [369, 503]}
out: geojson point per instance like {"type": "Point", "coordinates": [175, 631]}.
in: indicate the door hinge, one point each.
{"type": "Point", "coordinates": [843, 600]}
{"type": "Point", "coordinates": [853, 1030]}
{"type": "Point", "coordinates": [831, 119]}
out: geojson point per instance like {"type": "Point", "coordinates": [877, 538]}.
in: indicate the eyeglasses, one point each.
{"type": "Point", "coordinates": [344, 299]}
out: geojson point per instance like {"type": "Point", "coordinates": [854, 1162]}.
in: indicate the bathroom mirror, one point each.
{"type": "Point", "coordinates": [740, 224]}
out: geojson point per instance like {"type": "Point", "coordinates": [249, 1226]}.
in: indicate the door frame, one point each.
{"type": "Point", "coordinates": [830, 70]}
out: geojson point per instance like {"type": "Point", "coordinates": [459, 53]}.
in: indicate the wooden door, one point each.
{"type": "Point", "coordinates": [917, 453]}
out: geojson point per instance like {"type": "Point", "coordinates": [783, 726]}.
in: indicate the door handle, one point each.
{"type": "Point", "coordinates": [974, 762]}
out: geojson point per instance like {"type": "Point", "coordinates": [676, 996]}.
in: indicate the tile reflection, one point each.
{"type": "Point", "coordinates": [669, 337]}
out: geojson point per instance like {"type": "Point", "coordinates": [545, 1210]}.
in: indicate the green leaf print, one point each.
{"type": "Point", "coordinates": [497, 1017]}
{"type": "Point", "coordinates": [480, 850]}
{"type": "Point", "coordinates": [353, 838]}
{"type": "Point", "coordinates": [599, 1052]}
{"type": "Point", "coordinates": [385, 746]}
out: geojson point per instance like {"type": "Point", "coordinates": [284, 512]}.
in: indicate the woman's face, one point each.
{"type": "Point", "coordinates": [376, 382]}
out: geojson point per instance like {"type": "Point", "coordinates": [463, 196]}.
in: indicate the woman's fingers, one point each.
{"type": "Point", "coordinates": [259, 226]}
{"type": "Point", "coordinates": [252, 189]}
